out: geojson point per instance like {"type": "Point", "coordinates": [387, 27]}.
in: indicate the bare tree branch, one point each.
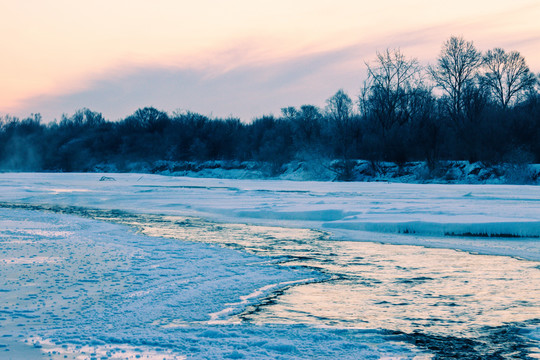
{"type": "Point", "coordinates": [457, 67]}
{"type": "Point", "coordinates": [507, 76]}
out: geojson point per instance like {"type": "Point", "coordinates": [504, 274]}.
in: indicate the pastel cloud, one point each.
{"type": "Point", "coordinates": [244, 91]}
{"type": "Point", "coordinates": [63, 54]}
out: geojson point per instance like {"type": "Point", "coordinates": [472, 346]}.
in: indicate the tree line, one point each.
{"type": "Point", "coordinates": [469, 105]}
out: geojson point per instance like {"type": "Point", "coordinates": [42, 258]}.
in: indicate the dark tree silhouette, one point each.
{"type": "Point", "coordinates": [387, 98]}
{"type": "Point", "coordinates": [307, 124]}
{"type": "Point", "coordinates": [456, 70]}
{"type": "Point", "coordinates": [487, 113]}
{"type": "Point", "coordinates": [339, 109]}
{"type": "Point", "coordinates": [392, 80]}
{"type": "Point", "coordinates": [507, 76]}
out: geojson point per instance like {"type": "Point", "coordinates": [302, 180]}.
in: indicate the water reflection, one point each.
{"type": "Point", "coordinates": [409, 288]}
{"type": "Point", "coordinates": [371, 285]}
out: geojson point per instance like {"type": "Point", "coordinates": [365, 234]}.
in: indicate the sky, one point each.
{"type": "Point", "coordinates": [240, 58]}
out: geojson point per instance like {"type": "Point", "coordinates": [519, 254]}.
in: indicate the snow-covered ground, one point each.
{"type": "Point", "coordinates": [82, 288]}
{"type": "Point", "coordinates": [489, 219]}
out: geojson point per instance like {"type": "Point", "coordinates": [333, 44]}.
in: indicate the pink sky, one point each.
{"type": "Point", "coordinates": [235, 57]}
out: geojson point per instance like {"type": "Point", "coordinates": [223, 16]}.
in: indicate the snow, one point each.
{"type": "Point", "coordinates": [489, 219]}
{"type": "Point", "coordinates": [78, 288]}
{"type": "Point", "coordinates": [316, 168]}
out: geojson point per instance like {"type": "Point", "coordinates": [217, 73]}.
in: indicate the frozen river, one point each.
{"type": "Point", "coordinates": [395, 271]}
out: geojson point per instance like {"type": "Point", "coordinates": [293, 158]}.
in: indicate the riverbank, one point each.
{"type": "Point", "coordinates": [441, 172]}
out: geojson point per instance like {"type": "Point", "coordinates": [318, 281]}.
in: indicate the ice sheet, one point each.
{"type": "Point", "coordinates": [473, 216]}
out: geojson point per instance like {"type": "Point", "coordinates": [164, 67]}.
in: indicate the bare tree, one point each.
{"type": "Point", "coordinates": [457, 68]}
{"type": "Point", "coordinates": [307, 123]}
{"type": "Point", "coordinates": [339, 109]}
{"type": "Point", "coordinates": [392, 80]}
{"type": "Point", "coordinates": [507, 76]}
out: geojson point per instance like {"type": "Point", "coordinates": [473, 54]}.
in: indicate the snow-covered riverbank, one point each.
{"type": "Point", "coordinates": [443, 172]}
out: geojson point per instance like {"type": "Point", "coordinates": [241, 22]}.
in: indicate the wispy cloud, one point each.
{"type": "Point", "coordinates": [246, 90]}
{"type": "Point", "coordinates": [246, 78]}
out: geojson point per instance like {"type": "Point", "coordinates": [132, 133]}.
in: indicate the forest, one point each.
{"type": "Point", "coordinates": [468, 105]}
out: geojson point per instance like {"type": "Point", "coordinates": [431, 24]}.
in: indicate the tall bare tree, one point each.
{"type": "Point", "coordinates": [392, 80]}
{"type": "Point", "coordinates": [507, 76]}
{"type": "Point", "coordinates": [339, 109]}
{"type": "Point", "coordinates": [457, 68]}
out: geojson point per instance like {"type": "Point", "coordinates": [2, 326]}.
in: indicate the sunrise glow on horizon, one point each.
{"type": "Point", "coordinates": [245, 57]}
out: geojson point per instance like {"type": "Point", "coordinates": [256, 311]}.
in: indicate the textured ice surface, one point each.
{"type": "Point", "coordinates": [482, 218]}
{"type": "Point", "coordinates": [79, 288]}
